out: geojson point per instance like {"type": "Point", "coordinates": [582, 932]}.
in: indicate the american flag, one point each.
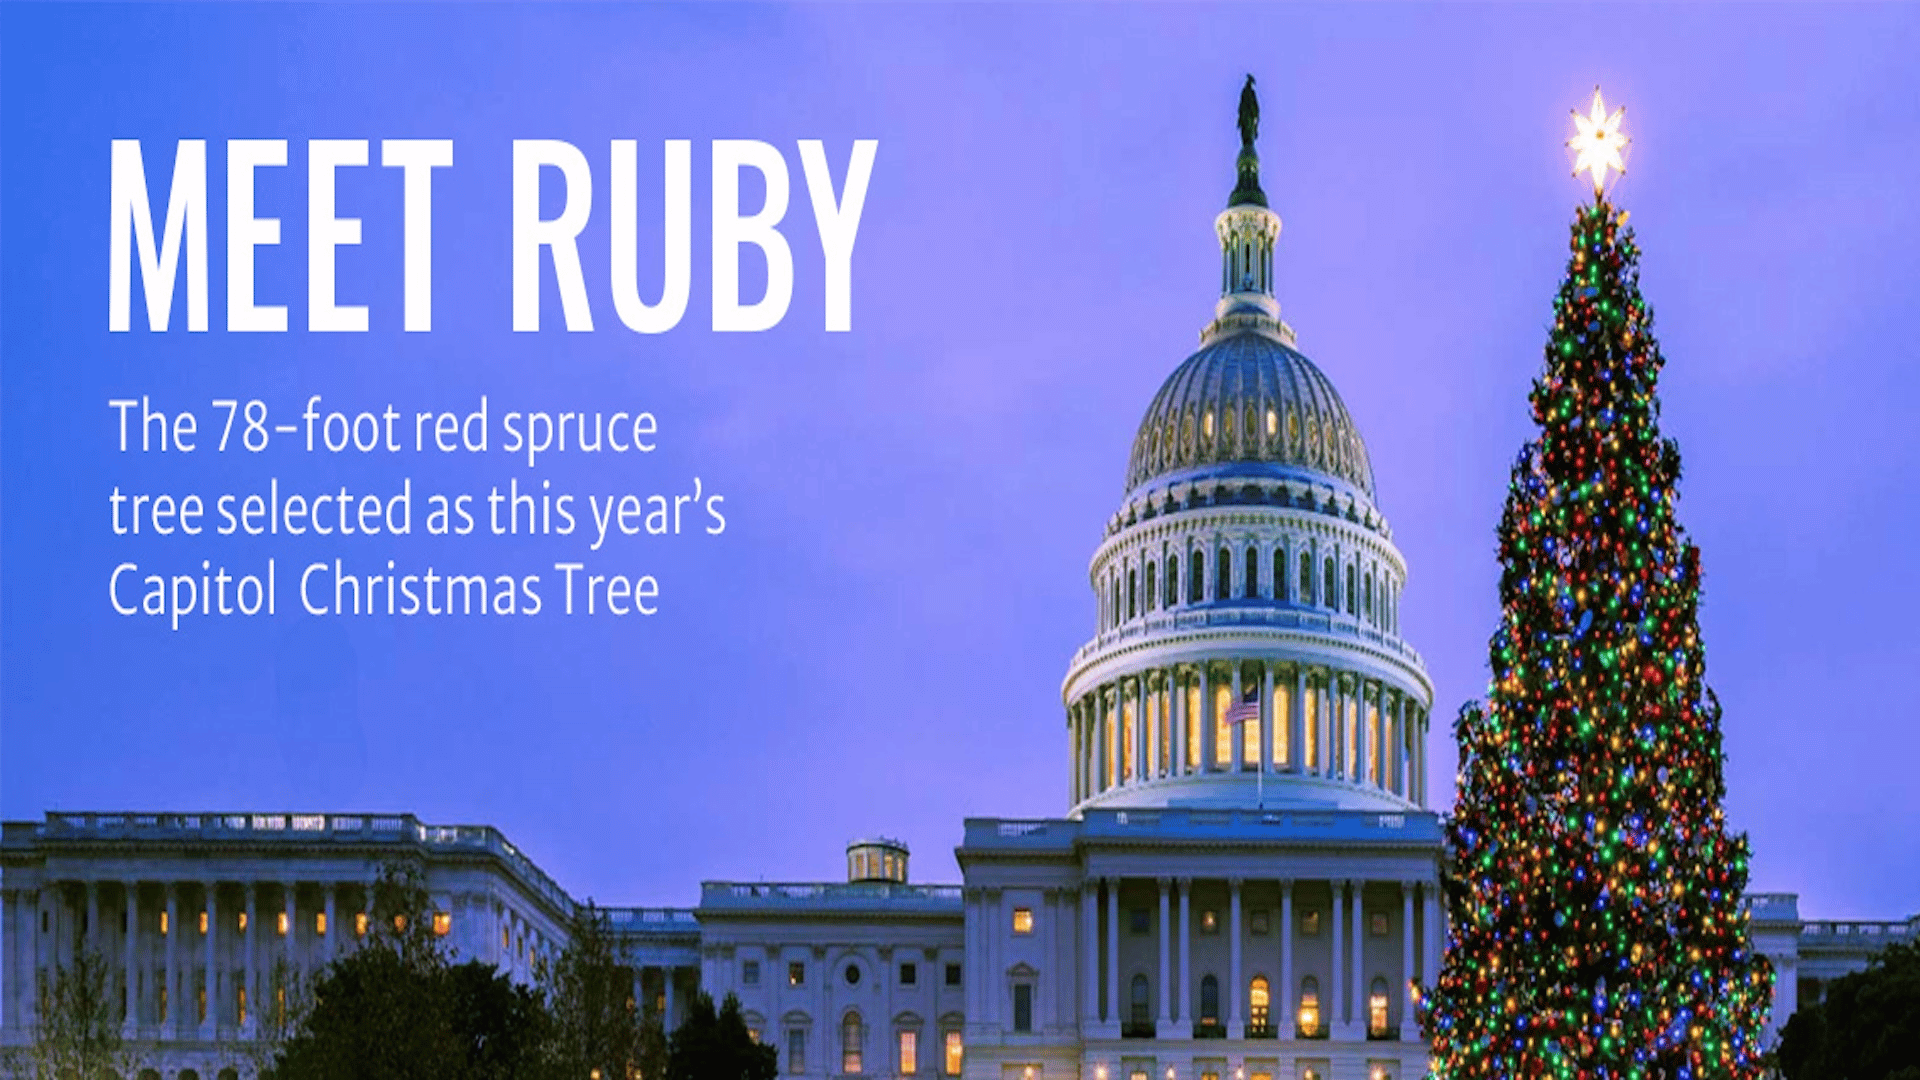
{"type": "Point", "coordinates": [1247, 708]}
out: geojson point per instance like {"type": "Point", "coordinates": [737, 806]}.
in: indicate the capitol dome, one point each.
{"type": "Point", "coordinates": [1248, 403]}
{"type": "Point", "coordinates": [1247, 648]}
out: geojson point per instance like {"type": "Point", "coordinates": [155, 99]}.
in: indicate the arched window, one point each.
{"type": "Point", "coordinates": [1153, 580]}
{"type": "Point", "coordinates": [1329, 594]}
{"type": "Point", "coordinates": [1210, 1001]}
{"type": "Point", "coordinates": [850, 1038]}
{"type": "Point", "coordinates": [1259, 1002]}
{"type": "Point", "coordinates": [1309, 1008]}
{"type": "Point", "coordinates": [1367, 600]}
{"type": "Point", "coordinates": [1352, 609]}
{"type": "Point", "coordinates": [1139, 1007]}
{"type": "Point", "coordinates": [1306, 578]}
{"type": "Point", "coordinates": [1173, 580]}
{"type": "Point", "coordinates": [1113, 619]}
{"type": "Point", "coordinates": [1279, 574]}
{"type": "Point", "coordinates": [1133, 590]}
{"type": "Point", "coordinates": [1252, 587]}
{"type": "Point", "coordinates": [1223, 575]}
{"type": "Point", "coordinates": [1197, 578]}
{"type": "Point", "coordinates": [1377, 1010]}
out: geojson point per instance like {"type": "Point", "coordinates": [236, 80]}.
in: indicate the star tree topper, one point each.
{"type": "Point", "coordinates": [1599, 142]}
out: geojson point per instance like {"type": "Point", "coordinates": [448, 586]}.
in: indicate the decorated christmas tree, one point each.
{"type": "Point", "coordinates": [1596, 928]}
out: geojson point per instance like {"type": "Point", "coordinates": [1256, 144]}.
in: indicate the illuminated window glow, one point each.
{"type": "Point", "coordinates": [320, 923]}
{"type": "Point", "coordinates": [1022, 920]}
{"type": "Point", "coordinates": [1310, 1007]}
{"type": "Point", "coordinates": [953, 1054]}
{"type": "Point", "coordinates": [909, 1062]}
{"type": "Point", "coordinates": [850, 1038]}
{"type": "Point", "coordinates": [280, 923]}
{"type": "Point", "coordinates": [1377, 1009]}
{"type": "Point", "coordinates": [442, 923]}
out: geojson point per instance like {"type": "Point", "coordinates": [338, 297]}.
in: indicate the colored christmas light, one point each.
{"type": "Point", "coordinates": [1595, 922]}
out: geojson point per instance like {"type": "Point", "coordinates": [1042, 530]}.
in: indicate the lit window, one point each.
{"type": "Point", "coordinates": [240, 1003]}
{"type": "Point", "coordinates": [320, 923]}
{"type": "Point", "coordinates": [400, 924]}
{"type": "Point", "coordinates": [203, 924]}
{"type": "Point", "coordinates": [200, 1004]}
{"type": "Point", "coordinates": [163, 923]}
{"type": "Point", "coordinates": [953, 974]}
{"type": "Point", "coordinates": [243, 922]}
{"type": "Point", "coordinates": [909, 974]}
{"type": "Point", "coordinates": [850, 1036]}
{"type": "Point", "coordinates": [1209, 921]}
{"type": "Point", "coordinates": [909, 1063]}
{"type": "Point", "coordinates": [1310, 1007]}
{"type": "Point", "coordinates": [796, 1050]}
{"type": "Point", "coordinates": [280, 923]}
{"type": "Point", "coordinates": [752, 1032]}
{"type": "Point", "coordinates": [1023, 1007]}
{"type": "Point", "coordinates": [750, 972]}
{"type": "Point", "coordinates": [1310, 924]}
{"type": "Point", "coordinates": [952, 1061]}
{"type": "Point", "coordinates": [1258, 1001]}
{"type": "Point", "coordinates": [506, 935]}
{"type": "Point", "coordinates": [796, 974]}
{"type": "Point", "coordinates": [1023, 920]}
{"type": "Point", "coordinates": [1377, 1009]}
{"type": "Point", "coordinates": [442, 923]}
{"type": "Point", "coordinates": [360, 929]}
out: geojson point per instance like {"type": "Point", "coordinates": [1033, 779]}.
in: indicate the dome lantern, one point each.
{"type": "Point", "coordinates": [877, 861]}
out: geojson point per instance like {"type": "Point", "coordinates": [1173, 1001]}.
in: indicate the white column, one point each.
{"type": "Point", "coordinates": [93, 920]}
{"type": "Point", "coordinates": [1369, 770]}
{"type": "Point", "coordinates": [330, 947]}
{"type": "Point", "coordinates": [210, 1020]}
{"type": "Point", "coordinates": [1325, 721]}
{"type": "Point", "coordinates": [10, 957]}
{"type": "Point", "coordinates": [1177, 695]}
{"type": "Point", "coordinates": [249, 975]}
{"type": "Point", "coordinates": [1140, 771]}
{"type": "Point", "coordinates": [1183, 999]}
{"type": "Point", "coordinates": [1236, 1026]}
{"type": "Point", "coordinates": [288, 890]}
{"type": "Point", "coordinates": [1406, 960]}
{"type": "Point", "coordinates": [1164, 1028]}
{"type": "Point", "coordinates": [170, 1025]}
{"type": "Point", "coordinates": [30, 957]}
{"type": "Point", "coordinates": [1331, 1011]}
{"type": "Point", "coordinates": [1074, 756]}
{"type": "Point", "coordinates": [1357, 994]}
{"type": "Point", "coordinates": [131, 975]}
{"type": "Point", "coordinates": [1297, 722]}
{"type": "Point", "coordinates": [1287, 991]}
{"type": "Point", "coordinates": [1113, 950]}
{"type": "Point", "coordinates": [1090, 946]}
{"type": "Point", "coordinates": [1237, 736]}
{"type": "Point", "coordinates": [1430, 962]}
{"type": "Point", "coordinates": [1270, 718]}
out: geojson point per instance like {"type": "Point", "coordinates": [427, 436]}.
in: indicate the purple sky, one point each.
{"type": "Point", "coordinates": [876, 643]}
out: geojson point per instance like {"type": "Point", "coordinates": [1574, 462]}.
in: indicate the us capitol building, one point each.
{"type": "Point", "coordinates": [1244, 883]}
